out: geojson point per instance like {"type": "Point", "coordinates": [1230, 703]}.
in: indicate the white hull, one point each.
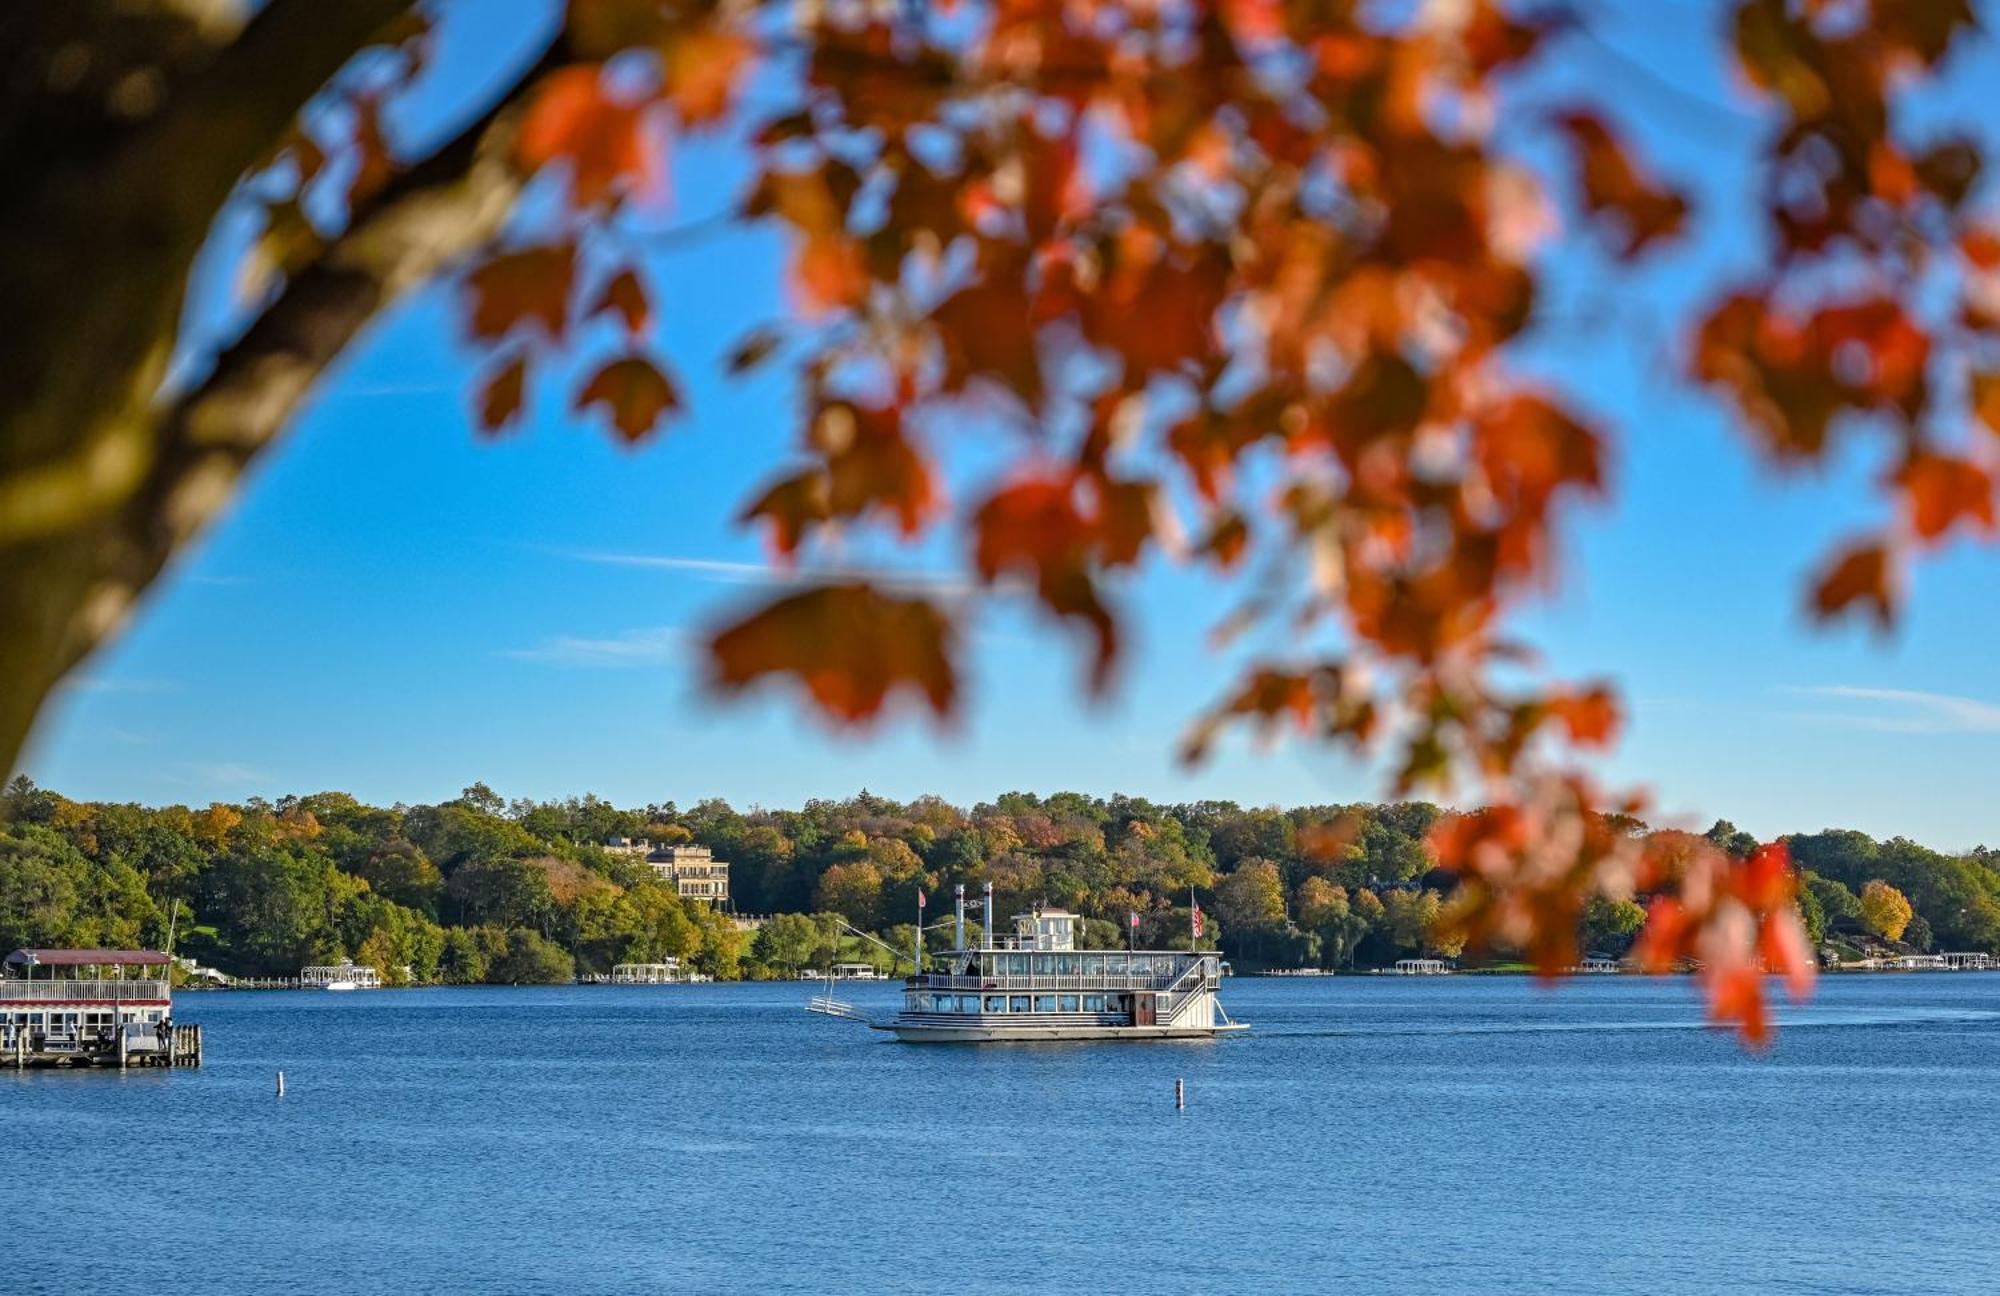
{"type": "Point", "coordinates": [913, 1033]}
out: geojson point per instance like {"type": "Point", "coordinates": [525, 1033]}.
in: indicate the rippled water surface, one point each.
{"type": "Point", "coordinates": [1369, 1135]}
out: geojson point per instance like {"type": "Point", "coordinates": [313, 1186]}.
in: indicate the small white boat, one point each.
{"type": "Point", "coordinates": [342, 985]}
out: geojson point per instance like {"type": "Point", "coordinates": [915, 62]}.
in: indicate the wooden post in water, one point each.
{"type": "Point", "coordinates": [1180, 1095]}
{"type": "Point", "coordinates": [281, 1084]}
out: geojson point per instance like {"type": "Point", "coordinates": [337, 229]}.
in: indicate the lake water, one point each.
{"type": "Point", "coordinates": [1462, 1134]}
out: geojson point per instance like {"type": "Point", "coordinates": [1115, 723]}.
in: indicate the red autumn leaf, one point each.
{"type": "Point", "coordinates": [531, 286]}
{"type": "Point", "coordinates": [850, 646]}
{"type": "Point", "coordinates": [635, 395]}
{"type": "Point", "coordinates": [501, 395]}
{"type": "Point", "coordinates": [626, 297]}
{"type": "Point", "coordinates": [1862, 577]}
{"type": "Point", "coordinates": [792, 506]}
{"type": "Point", "coordinates": [871, 464]}
{"type": "Point", "coordinates": [575, 119]}
{"type": "Point", "coordinates": [986, 332]}
{"type": "Point", "coordinates": [1033, 527]}
{"type": "Point", "coordinates": [1942, 491]}
{"type": "Point", "coordinates": [1636, 211]}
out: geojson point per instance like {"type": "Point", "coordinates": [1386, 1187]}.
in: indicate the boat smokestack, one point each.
{"type": "Point", "coordinates": [986, 914]}
{"type": "Point", "coordinates": [958, 894]}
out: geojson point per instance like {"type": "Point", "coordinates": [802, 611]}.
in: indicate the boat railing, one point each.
{"type": "Point", "coordinates": [24, 990]}
{"type": "Point", "coordinates": [1029, 983]}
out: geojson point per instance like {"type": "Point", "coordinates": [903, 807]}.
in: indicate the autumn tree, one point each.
{"type": "Point", "coordinates": [1251, 898]}
{"type": "Point", "coordinates": [1237, 283]}
{"type": "Point", "coordinates": [1885, 909]}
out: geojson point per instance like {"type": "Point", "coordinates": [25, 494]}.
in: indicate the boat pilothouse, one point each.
{"type": "Point", "coordinates": [1037, 985]}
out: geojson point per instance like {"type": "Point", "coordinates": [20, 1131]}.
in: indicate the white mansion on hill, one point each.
{"type": "Point", "coordinates": [694, 870]}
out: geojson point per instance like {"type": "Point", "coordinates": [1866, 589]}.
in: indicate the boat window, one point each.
{"type": "Point", "coordinates": [1019, 1003]}
{"type": "Point", "coordinates": [1093, 1003]}
{"type": "Point", "coordinates": [1044, 964]}
{"type": "Point", "coordinates": [920, 1003]}
{"type": "Point", "coordinates": [1065, 965]}
{"type": "Point", "coordinates": [1114, 964]}
{"type": "Point", "coordinates": [996, 1003]}
{"type": "Point", "coordinates": [1067, 1004]}
{"type": "Point", "coordinates": [1116, 1003]}
{"type": "Point", "coordinates": [1045, 1003]}
{"type": "Point", "coordinates": [1093, 964]}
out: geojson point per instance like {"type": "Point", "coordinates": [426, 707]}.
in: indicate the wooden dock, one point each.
{"type": "Point", "coordinates": [177, 1045]}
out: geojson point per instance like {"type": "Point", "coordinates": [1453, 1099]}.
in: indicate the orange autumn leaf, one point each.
{"type": "Point", "coordinates": [1942, 491]}
{"type": "Point", "coordinates": [1736, 994]}
{"type": "Point", "coordinates": [1985, 396]}
{"type": "Point", "coordinates": [530, 287]}
{"type": "Point", "coordinates": [828, 274]}
{"type": "Point", "coordinates": [703, 67]}
{"type": "Point", "coordinates": [1591, 717]}
{"type": "Point", "coordinates": [850, 646]}
{"type": "Point", "coordinates": [634, 393]}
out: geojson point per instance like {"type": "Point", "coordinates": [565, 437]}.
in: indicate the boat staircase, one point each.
{"type": "Point", "coordinates": [1181, 991]}
{"type": "Point", "coordinates": [829, 1006]}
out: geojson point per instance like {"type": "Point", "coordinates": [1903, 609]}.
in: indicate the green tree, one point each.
{"type": "Point", "coordinates": [1609, 925]}
{"type": "Point", "coordinates": [1411, 917]}
{"type": "Point", "coordinates": [786, 940]}
{"type": "Point", "coordinates": [529, 958]}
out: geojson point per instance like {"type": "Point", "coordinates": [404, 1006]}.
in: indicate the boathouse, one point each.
{"type": "Point", "coordinates": [91, 1007]}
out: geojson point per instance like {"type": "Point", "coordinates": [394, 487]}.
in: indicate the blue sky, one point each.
{"type": "Point", "coordinates": [395, 608]}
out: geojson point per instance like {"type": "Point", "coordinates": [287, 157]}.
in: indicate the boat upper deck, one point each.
{"type": "Point", "coordinates": [84, 976]}
{"type": "Point", "coordinates": [1064, 970]}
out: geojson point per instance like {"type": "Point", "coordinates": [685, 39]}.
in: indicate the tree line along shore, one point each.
{"type": "Point", "coordinates": [480, 890]}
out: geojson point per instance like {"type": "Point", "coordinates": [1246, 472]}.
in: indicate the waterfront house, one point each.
{"type": "Point", "coordinates": [693, 871]}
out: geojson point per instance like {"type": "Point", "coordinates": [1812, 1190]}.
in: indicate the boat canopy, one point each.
{"type": "Point", "coordinates": [86, 958]}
